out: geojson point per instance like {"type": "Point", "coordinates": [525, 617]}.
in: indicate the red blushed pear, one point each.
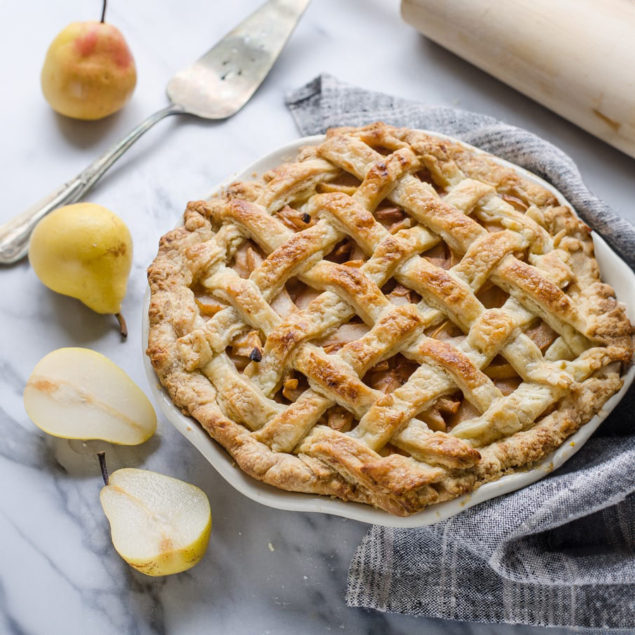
{"type": "Point", "coordinates": [89, 72]}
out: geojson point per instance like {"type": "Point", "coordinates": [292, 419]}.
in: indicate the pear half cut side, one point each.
{"type": "Point", "coordinates": [77, 393]}
{"type": "Point", "coordinates": [159, 525]}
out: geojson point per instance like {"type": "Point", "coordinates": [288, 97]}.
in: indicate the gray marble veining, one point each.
{"type": "Point", "coordinates": [266, 571]}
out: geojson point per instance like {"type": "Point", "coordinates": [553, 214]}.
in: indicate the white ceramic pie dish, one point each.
{"type": "Point", "coordinates": [614, 271]}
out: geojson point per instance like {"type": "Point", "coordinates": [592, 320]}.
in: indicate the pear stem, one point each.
{"type": "Point", "coordinates": [103, 11]}
{"type": "Point", "coordinates": [102, 464]}
{"type": "Point", "coordinates": [123, 327]}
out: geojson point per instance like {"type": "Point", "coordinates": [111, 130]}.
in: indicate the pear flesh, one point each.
{"type": "Point", "coordinates": [76, 393]}
{"type": "Point", "coordinates": [159, 525]}
{"type": "Point", "coordinates": [84, 251]}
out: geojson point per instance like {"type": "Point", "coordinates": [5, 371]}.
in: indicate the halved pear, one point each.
{"type": "Point", "coordinates": [159, 524]}
{"type": "Point", "coordinates": [76, 393]}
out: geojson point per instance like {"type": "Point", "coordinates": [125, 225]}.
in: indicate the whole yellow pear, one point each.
{"type": "Point", "coordinates": [84, 251]}
{"type": "Point", "coordinates": [89, 72]}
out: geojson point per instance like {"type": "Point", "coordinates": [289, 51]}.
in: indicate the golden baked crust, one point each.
{"type": "Point", "coordinates": [451, 324]}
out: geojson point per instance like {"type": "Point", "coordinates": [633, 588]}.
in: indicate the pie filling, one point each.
{"type": "Point", "coordinates": [392, 319]}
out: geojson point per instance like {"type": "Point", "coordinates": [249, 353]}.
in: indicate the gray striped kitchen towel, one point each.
{"type": "Point", "coordinates": [559, 552]}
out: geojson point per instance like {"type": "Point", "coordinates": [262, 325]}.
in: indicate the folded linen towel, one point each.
{"type": "Point", "coordinates": [559, 552]}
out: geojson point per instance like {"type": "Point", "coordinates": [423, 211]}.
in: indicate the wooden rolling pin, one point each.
{"type": "Point", "coordinates": [577, 57]}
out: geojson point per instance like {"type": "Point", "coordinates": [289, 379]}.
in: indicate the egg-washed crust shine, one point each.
{"type": "Point", "coordinates": [537, 251]}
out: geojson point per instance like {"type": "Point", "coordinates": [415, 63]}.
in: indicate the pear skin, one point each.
{"type": "Point", "coordinates": [84, 251]}
{"type": "Point", "coordinates": [88, 72]}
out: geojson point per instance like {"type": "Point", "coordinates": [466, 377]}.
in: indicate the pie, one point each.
{"type": "Point", "coordinates": [393, 318]}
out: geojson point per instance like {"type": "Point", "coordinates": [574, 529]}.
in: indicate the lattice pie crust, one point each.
{"type": "Point", "coordinates": [392, 319]}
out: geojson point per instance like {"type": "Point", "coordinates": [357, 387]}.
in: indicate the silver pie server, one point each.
{"type": "Point", "coordinates": [216, 86]}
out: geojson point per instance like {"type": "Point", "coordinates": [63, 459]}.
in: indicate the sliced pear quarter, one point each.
{"type": "Point", "coordinates": [77, 393]}
{"type": "Point", "coordinates": [159, 524]}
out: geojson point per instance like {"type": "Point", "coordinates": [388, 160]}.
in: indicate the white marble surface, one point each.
{"type": "Point", "coordinates": [58, 570]}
